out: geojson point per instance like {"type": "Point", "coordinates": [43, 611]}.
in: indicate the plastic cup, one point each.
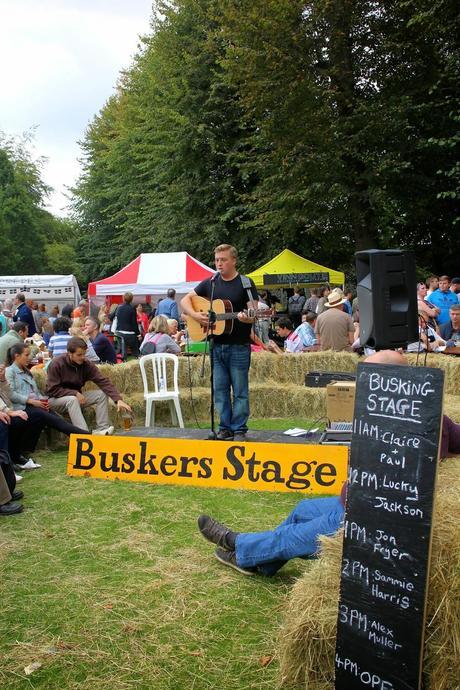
{"type": "Point", "coordinates": [127, 419]}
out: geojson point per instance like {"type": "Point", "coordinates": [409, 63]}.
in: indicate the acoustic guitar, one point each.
{"type": "Point", "coordinates": [224, 314]}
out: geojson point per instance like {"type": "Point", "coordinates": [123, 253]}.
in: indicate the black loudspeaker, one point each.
{"type": "Point", "coordinates": [387, 298]}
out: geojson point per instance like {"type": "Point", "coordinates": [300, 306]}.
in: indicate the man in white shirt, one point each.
{"type": "Point", "coordinates": [306, 332]}
{"type": "Point", "coordinates": [292, 342]}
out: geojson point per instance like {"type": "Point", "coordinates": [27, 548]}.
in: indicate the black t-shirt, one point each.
{"type": "Point", "coordinates": [234, 291]}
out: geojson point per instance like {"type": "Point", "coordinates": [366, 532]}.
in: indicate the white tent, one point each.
{"type": "Point", "coordinates": [153, 274]}
{"type": "Point", "coordinates": [51, 289]}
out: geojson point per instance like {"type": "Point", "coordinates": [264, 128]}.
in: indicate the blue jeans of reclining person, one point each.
{"type": "Point", "coordinates": [231, 371]}
{"type": "Point", "coordinates": [296, 537]}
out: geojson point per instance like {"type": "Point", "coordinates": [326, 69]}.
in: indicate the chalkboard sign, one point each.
{"type": "Point", "coordinates": [295, 278]}
{"type": "Point", "coordinates": [387, 527]}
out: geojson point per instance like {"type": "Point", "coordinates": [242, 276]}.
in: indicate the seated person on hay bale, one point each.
{"type": "Point", "coordinates": [264, 553]}
{"type": "Point", "coordinates": [450, 330]}
{"type": "Point", "coordinates": [67, 374]}
{"type": "Point", "coordinates": [24, 411]}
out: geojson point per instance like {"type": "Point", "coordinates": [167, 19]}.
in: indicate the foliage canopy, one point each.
{"type": "Point", "coordinates": [324, 127]}
{"type": "Point", "coordinates": [33, 240]}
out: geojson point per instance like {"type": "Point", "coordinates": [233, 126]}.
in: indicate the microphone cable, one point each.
{"type": "Point", "coordinates": [190, 382]}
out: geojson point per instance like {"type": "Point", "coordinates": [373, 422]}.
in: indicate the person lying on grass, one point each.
{"type": "Point", "coordinates": [264, 553]}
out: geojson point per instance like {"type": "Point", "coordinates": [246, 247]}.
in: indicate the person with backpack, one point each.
{"type": "Point", "coordinates": [157, 339]}
{"type": "Point", "coordinates": [295, 306]}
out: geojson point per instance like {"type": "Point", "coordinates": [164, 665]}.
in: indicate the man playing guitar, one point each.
{"type": "Point", "coordinates": [231, 351]}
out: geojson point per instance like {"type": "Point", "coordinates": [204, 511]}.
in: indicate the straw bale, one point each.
{"type": "Point", "coordinates": [40, 377]}
{"type": "Point", "coordinates": [307, 639]}
{"type": "Point", "coordinates": [289, 368]}
{"type": "Point", "coordinates": [452, 407]}
{"type": "Point", "coordinates": [201, 401]}
{"type": "Point", "coordinates": [265, 367]}
{"type": "Point", "coordinates": [126, 376]}
{"type": "Point", "coordinates": [448, 363]}
{"type": "Point", "coordinates": [292, 368]}
{"type": "Point", "coordinates": [265, 400]}
{"type": "Point", "coordinates": [270, 400]}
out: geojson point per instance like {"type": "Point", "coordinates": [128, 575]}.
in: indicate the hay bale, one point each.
{"type": "Point", "coordinates": [265, 368]}
{"type": "Point", "coordinates": [265, 401]}
{"type": "Point", "coordinates": [40, 377]}
{"type": "Point", "coordinates": [452, 407]}
{"type": "Point", "coordinates": [449, 364]}
{"type": "Point", "coordinates": [307, 639]}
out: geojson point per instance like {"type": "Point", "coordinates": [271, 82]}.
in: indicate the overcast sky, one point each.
{"type": "Point", "coordinates": [60, 60]}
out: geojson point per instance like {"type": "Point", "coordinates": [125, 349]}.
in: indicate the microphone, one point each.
{"type": "Point", "coordinates": [217, 273]}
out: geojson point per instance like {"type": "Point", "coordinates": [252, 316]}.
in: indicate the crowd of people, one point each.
{"type": "Point", "coordinates": [71, 341]}
{"type": "Point", "coordinates": [71, 353]}
{"type": "Point", "coordinates": [329, 319]}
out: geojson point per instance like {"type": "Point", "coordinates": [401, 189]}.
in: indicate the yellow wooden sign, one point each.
{"type": "Point", "coordinates": [311, 469]}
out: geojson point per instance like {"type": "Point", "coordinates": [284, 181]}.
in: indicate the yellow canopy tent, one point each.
{"type": "Point", "coordinates": [288, 269]}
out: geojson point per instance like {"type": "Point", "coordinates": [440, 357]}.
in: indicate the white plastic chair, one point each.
{"type": "Point", "coordinates": [159, 364]}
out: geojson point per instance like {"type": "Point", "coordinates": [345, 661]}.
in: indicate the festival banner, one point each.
{"type": "Point", "coordinates": [310, 469]}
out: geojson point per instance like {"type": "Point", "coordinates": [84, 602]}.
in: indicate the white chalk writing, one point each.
{"type": "Point", "coordinates": [383, 503]}
{"type": "Point", "coordinates": [373, 680]}
{"type": "Point", "coordinates": [393, 384]}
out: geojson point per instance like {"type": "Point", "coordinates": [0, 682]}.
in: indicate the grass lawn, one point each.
{"type": "Point", "coordinates": [109, 585]}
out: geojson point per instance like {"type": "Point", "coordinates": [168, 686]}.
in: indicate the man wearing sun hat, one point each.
{"type": "Point", "coordinates": [334, 327]}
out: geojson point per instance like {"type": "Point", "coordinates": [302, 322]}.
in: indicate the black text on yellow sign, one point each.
{"type": "Point", "coordinates": [230, 465]}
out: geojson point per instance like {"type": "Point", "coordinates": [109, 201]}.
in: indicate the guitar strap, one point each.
{"type": "Point", "coordinates": [246, 283]}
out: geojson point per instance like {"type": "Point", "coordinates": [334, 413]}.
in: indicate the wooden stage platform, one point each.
{"type": "Point", "coordinates": [253, 436]}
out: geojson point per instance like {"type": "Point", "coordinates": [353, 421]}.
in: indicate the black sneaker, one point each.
{"type": "Point", "coordinates": [216, 532]}
{"type": "Point", "coordinates": [229, 558]}
{"type": "Point", "coordinates": [240, 436]}
{"type": "Point", "coordinates": [224, 435]}
{"type": "Point", "coordinates": [11, 508]}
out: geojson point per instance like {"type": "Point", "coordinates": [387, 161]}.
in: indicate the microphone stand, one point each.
{"type": "Point", "coordinates": [210, 339]}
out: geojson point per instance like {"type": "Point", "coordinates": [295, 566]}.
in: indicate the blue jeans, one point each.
{"type": "Point", "coordinates": [231, 370]}
{"type": "Point", "coordinates": [296, 537]}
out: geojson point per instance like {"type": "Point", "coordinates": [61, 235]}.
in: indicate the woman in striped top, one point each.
{"type": "Point", "coordinates": [58, 342]}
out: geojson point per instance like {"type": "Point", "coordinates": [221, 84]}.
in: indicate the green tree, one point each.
{"type": "Point", "coordinates": [33, 240]}
{"type": "Point", "coordinates": [324, 126]}
{"type": "Point", "coordinates": [347, 96]}
{"type": "Point", "coordinates": [159, 167]}
{"type": "Point", "coordinates": [21, 193]}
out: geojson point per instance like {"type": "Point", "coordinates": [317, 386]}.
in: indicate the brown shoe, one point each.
{"type": "Point", "coordinates": [229, 558]}
{"type": "Point", "coordinates": [216, 532]}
